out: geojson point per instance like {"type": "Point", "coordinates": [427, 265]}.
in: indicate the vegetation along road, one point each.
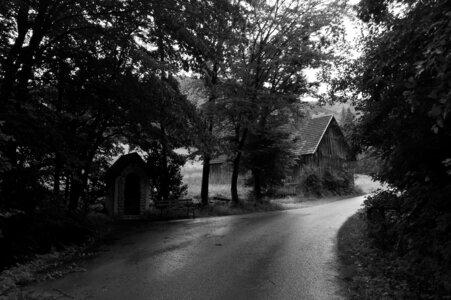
{"type": "Point", "coordinates": [277, 255]}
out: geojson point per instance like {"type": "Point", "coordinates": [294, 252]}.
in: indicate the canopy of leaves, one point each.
{"type": "Point", "coordinates": [78, 78]}
{"type": "Point", "coordinates": [404, 78]}
{"type": "Point", "coordinates": [265, 79]}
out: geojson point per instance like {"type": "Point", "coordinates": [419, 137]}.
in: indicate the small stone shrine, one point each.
{"type": "Point", "coordinates": [128, 187]}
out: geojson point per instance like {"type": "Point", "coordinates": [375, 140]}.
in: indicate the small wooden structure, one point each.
{"type": "Point", "coordinates": [323, 149]}
{"type": "Point", "coordinates": [128, 187]}
{"type": "Point", "coordinates": [220, 170]}
{"type": "Point", "coordinates": [324, 146]}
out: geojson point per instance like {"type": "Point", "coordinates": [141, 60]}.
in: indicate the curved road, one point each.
{"type": "Point", "coordinates": [276, 255]}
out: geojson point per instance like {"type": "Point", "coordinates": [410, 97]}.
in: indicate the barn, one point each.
{"type": "Point", "coordinates": [220, 170]}
{"type": "Point", "coordinates": [325, 156]}
{"type": "Point", "coordinates": [325, 160]}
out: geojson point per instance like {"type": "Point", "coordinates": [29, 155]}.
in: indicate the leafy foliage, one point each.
{"type": "Point", "coordinates": [369, 272]}
{"type": "Point", "coordinates": [79, 79]}
{"type": "Point", "coordinates": [406, 104]}
{"type": "Point", "coordinates": [166, 179]}
{"type": "Point", "coordinates": [347, 122]}
{"type": "Point", "coordinates": [415, 228]}
{"type": "Point", "coordinates": [265, 78]}
{"type": "Point", "coordinates": [367, 163]}
{"type": "Point", "coordinates": [24, 235]}
{"type": "Point", "coordinates": [270, 155]}
{"type": "Point", "coordinates": [403, 78]}
{"type": "Point", "coordinates": [336, 182]}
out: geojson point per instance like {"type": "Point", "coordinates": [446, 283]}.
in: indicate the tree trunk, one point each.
{"type": "Point", "coordinates": [234, 183]}
{"type": "Point", "coordinates": [78, 187]}
{"type": "Point", "coordinates": [257, 184]}
{"type": "Point", "coordinates": [206, 170]}
{"type": "Point", "coordinates": [75, 193]}
{"type": "Point", "coordinates": [236, 168]}
{"type": "Point", "coordinates": [164, 165]}
{"type": "Point", "coordinates": [205, 180]}
{"type": "Point", "coordinates": [67, 189]}
{"type": "Point", "coordinates": [57, 174]}
{"type": "Point", "coordinates": [80, 182]}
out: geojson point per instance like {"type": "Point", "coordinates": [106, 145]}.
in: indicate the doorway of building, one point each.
{"type": "Point", "coordinates": [132, 194]}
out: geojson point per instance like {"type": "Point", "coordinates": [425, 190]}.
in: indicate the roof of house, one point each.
{"type": "Point", "coordinates": [311, 136]}
{"type": "Point", "coordinates": [312, 133]}
{"type": "Point", "coordinates": [122, 162]}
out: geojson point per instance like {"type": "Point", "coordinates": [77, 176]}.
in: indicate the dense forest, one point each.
{"type": "Point", "coordinates": [85, 81]}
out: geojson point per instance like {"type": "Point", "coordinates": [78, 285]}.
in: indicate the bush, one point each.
{"type": "Point", "coordinates": [312, 185]}
{"type": "Point", "coordinates": [415, 227]}
{"type": "Point", "coordinates": [336, 182]}
{"type": "Point", "coordinates": [383, 212]}
{"type": "Point", "coordinates": [24, 235]}
{"type": "Point", "coordinates": [169, 187]}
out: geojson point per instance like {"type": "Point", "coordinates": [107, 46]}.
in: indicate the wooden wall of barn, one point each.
{"type": "Point", "coordinates": [221, 173]}
{"type": "Point", "coordinates": [332, 154]}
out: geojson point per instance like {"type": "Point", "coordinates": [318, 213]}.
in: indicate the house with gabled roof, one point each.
{"type": "Point", "coordinates": [323, 151]}
{"type": "Point", "coordinates": [323, 140]}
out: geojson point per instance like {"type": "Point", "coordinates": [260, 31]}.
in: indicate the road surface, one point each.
{"type": "Point", "coordinates": [276, 255]}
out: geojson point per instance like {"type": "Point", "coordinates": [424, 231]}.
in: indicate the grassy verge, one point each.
{"type": "Point", "coordinates": [367, 272]}
{"type": "Point", "coordinates": [244, 207]}
{"type": "Point", "coordinates": [193, 179]}
{"type": "Point", "coordinates": [55, 263]}
{"type": "Point", "coordinates": [42, 267]}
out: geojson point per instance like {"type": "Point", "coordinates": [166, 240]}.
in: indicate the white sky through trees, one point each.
{"type": "Point", "coordinates": [353, 31]}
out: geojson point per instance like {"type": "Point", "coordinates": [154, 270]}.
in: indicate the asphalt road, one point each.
{"type": "Point", "coordinates": [276, 255]}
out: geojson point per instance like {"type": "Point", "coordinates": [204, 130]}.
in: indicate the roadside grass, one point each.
{"type": "Point", "coordinates": [42, 267]}
{"type": "Point", "coordinates": [244, 207]}
{"type": "Point", "coordinates": [57, 263]}
{"type": "Point", "coordinates": [299, 201]}
{"type": "Point", "coordinates": [192, 177]}
{"type": "Point", "coordinates": [365, 271]}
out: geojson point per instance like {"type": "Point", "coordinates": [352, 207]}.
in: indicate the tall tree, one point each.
{"type": "Point", "coordinates": [282, 39]}
{"type": "Point", "coordinates": [405, 100]}
{"type": "Point", "coordinates": [216, 27]}
{"type": "Point", "coordinates": [73, 75]}
{"type": "Point", "coordinates": [49, 44]}
{"type": "Point", "coordinates": [403, 82]}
